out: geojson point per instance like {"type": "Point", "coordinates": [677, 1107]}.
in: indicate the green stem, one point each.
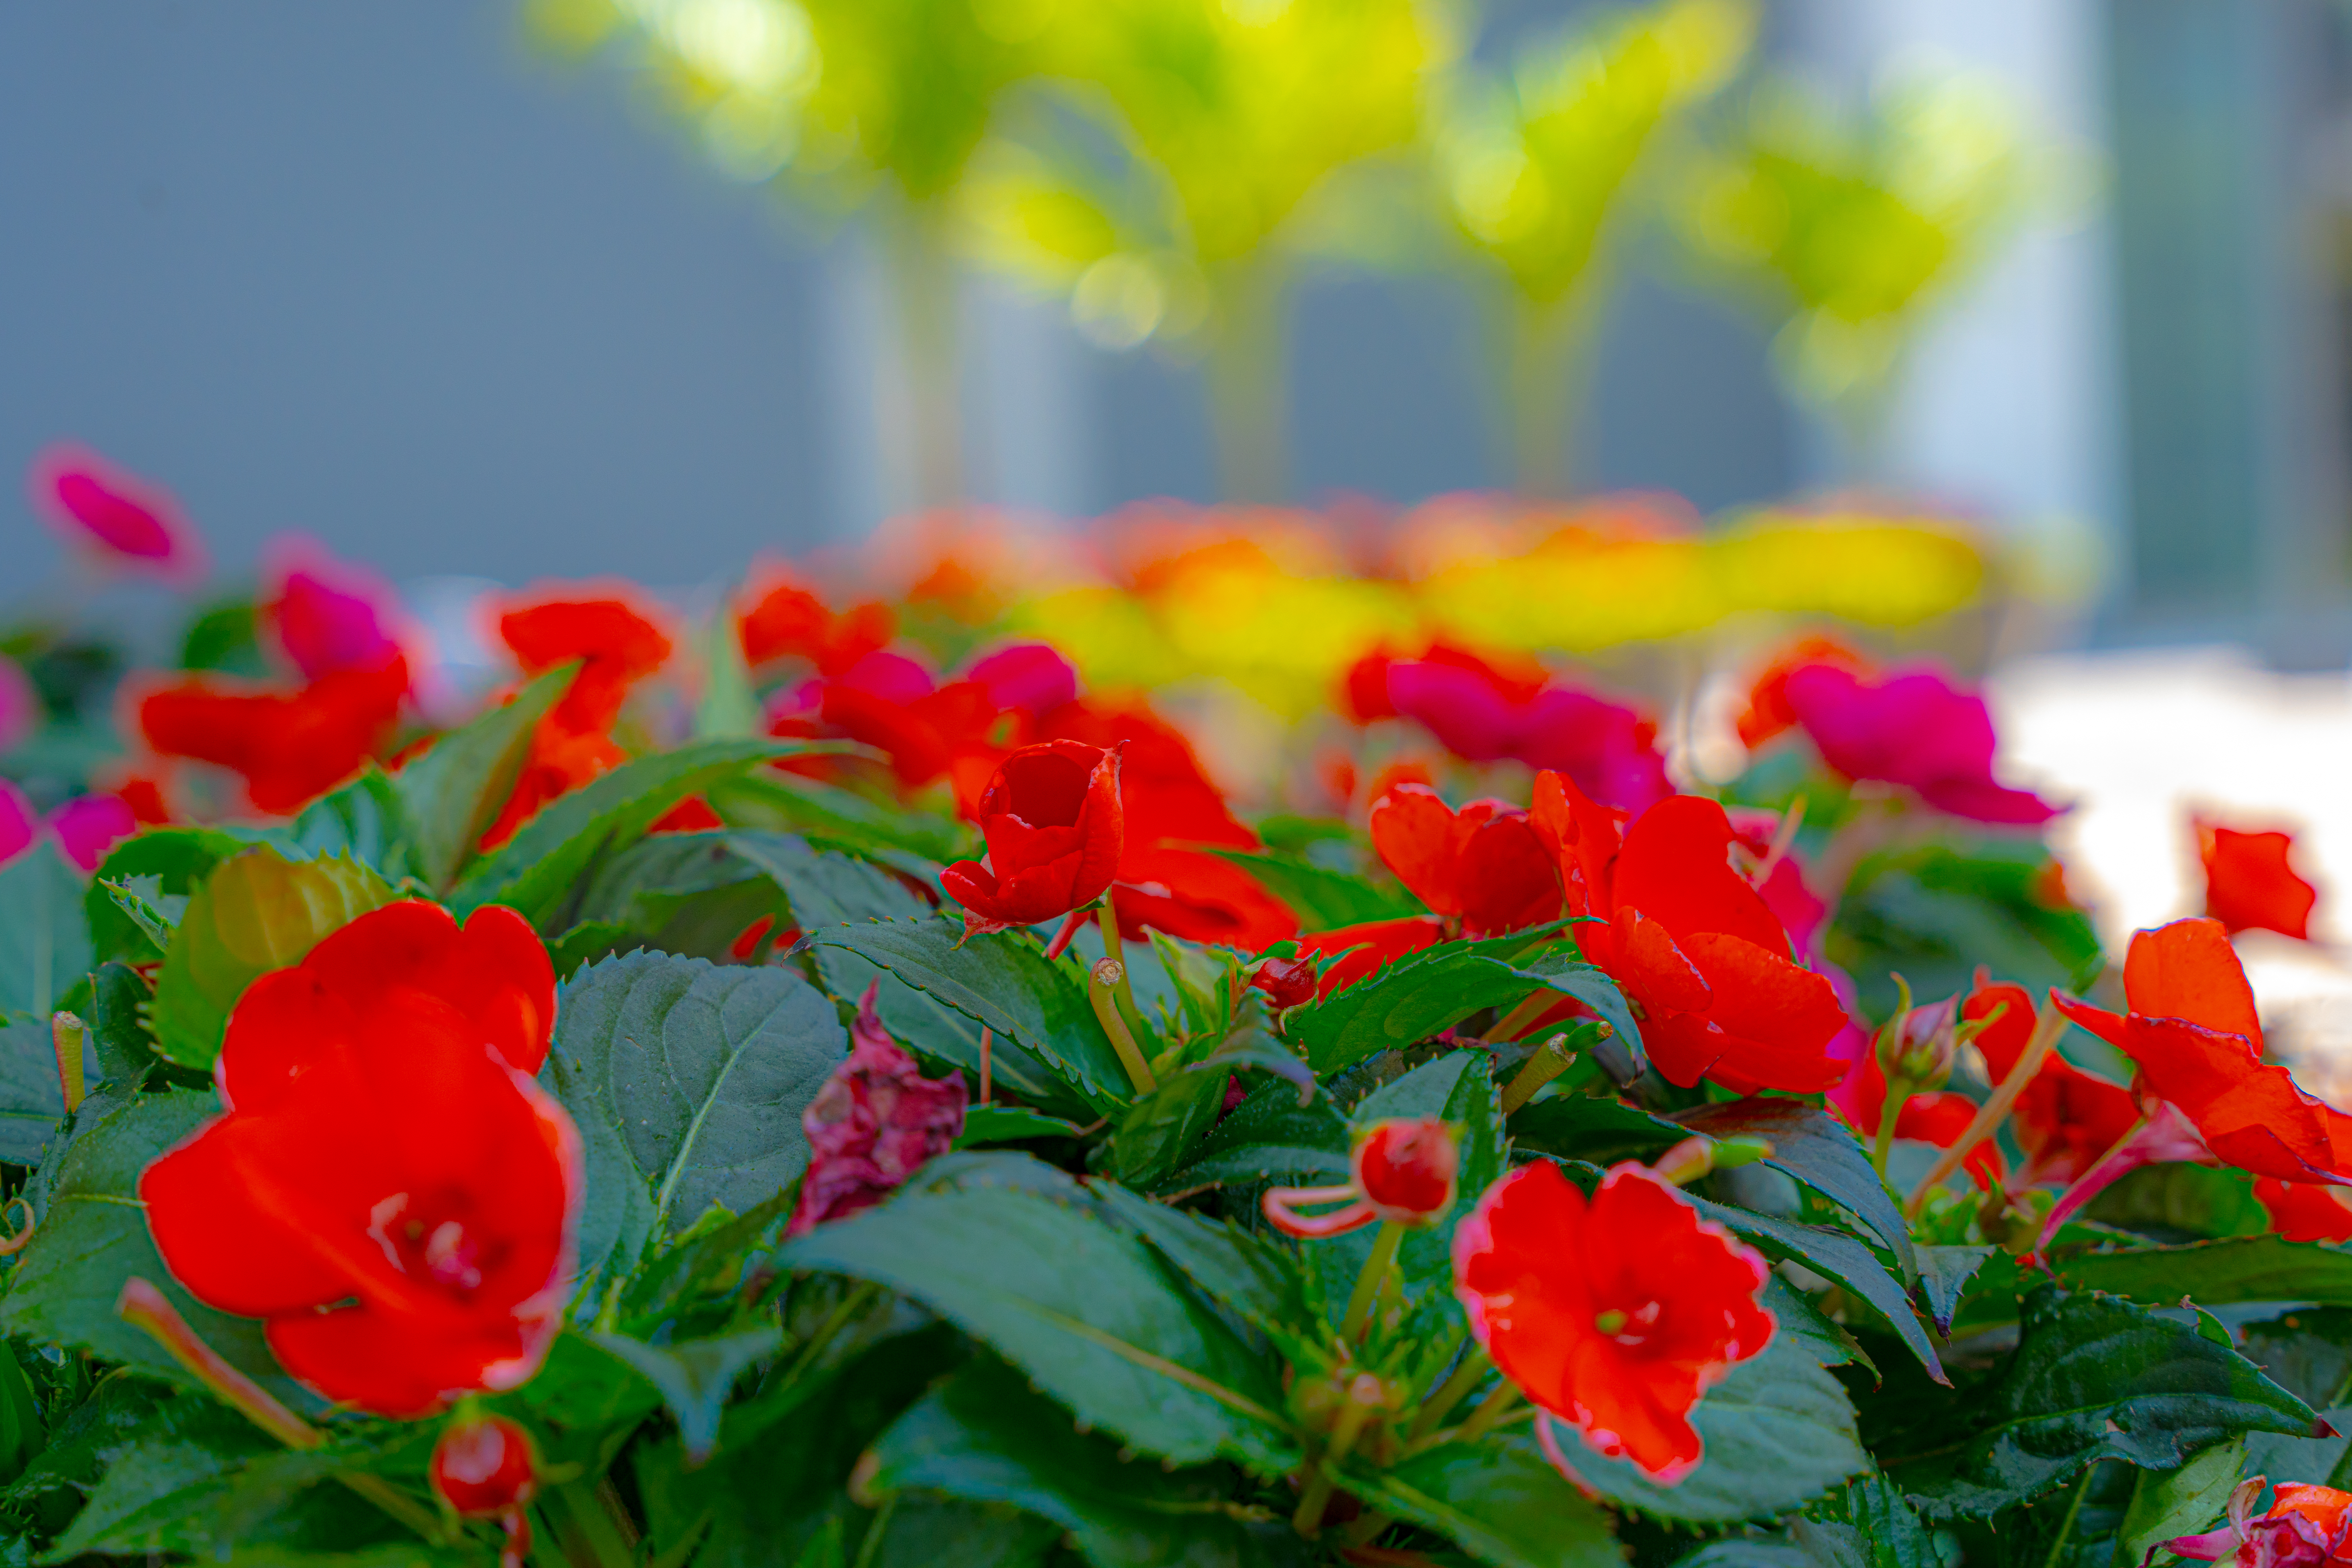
{"type": "Point", "coordinates": [1115, 946]}
{"type": "Point", "coordinates": [2073, 1508]}
{"type": "Point", "coordinates": [1550, 1061]}
{"type": "Point", "coordinates": [1889, 1112]}
{"type": "Point", "coordinates": [1363, 1399]}
{"type": "Point", "coordinates": [1476, 1364]}
{"type": "Point", "coordinates": [875, 1532]}
{"type": "Point", "coordinates": [1368, 1283]}
{"type": "Point", "coordinates": [1490, 1411]}
{"type": "Point", "coordinates": [585, 1528]}
{"type": "Point", "coordinates": [856, 1301]}
{"type": "Point", "coordinates": [1103, 994]}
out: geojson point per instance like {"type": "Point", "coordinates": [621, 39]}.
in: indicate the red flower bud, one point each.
{"type": "Point", "coordinates": [484, 1466]}
{"type": "Point", "coordinates": [1406, 1168]}
{"type": "Point", "coordinates": [1287, 981]}
{"type": "Point", "coordinates": [1051, 814]}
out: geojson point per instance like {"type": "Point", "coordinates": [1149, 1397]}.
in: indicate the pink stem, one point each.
{"type": "Point", "coordinates": [1070, 925]}
{"type": "Point", "coordinates": [2165, 1134]}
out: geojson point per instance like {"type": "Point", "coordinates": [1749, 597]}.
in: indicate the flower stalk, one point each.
{"type": "Point", "coordinates": [1109, 973]}
{"type": "Point", "coordinates": [1368, 1283]}
{"type": "Point", "coordinates": [2048, 1025]}
{"type": "Point", "coordinates": [1550, 1061]}
{"type": "Point", "coordinates": [67, 1034]}
{"type": "Point", "coordinates": [1364, 1398]}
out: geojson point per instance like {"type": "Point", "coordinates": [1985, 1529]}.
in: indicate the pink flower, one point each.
{"type": "Point", "coordinates": [330, 615]}
{"type": "Point", "coordinates": [1027, 677]}
{"type": "Point", "coordinates": [20, 704]}
{"type": "Point", "coordinates": [120, 520]}
{"type": "Point", "coordinates": [20, 826]}
{"type": "Point", "coordinates": [89, 826]}
{"type": "Point", "coordinates": [2305, 1528]}
{"type": "Point", "coordinates": [1611, 752]}
{"type": "Point", "coordinates": [874, 1122]}
{"type": "Point", "coordinates": [1912, 728]}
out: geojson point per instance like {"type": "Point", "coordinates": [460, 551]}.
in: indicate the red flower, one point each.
{"type": "Point", "coordinates": [2193, 1033]}
{"type": "Point", "coordinates": [20, 824]}
{"type": "Point", "coordinates": [1366, 949]}
{"type": "Point", "coordinates": [388, 1187]}
{"type": "Point", "coordinates": [1364, 689]}
{"type": "Point", "coordinates": [1612, 1314]}
{"type": "Point", "coordinates": [923, 735]}
{"type": "Point", "coordinates": [875, 1122]}
{"type": "Point", "coordinates": [291, 747]}
{"type": "Point", "coordinates": [787, 619]}
{"type": "Point", "coordinates": [2305, 1528]}
{"type": "Point", "coordinates": [1197, 896]}
{"type": "Point", "coordinates": [1485, 866]}
{"type": "Point", "coordinates": [2304, 1211]}
{"type": "Point", "coordinates": [1287, 981]}
{"type": "Point", "coordinates": [1051, 816]}
{"type": "Point", "coordinates": [1696, 948]}
{"type": "Point", "coordinates": [618, 644]}
{"type": "Point", "coordinates": [124, 521]}
{"type": "Point", "coordinates": [1401, 1170]}
{"type": "Point", "coordinates": [484, 1466]}
{"type": "Point", "coordinates": [2249, 885]}
{"type": "Point", "coordinates": [1913, 728]}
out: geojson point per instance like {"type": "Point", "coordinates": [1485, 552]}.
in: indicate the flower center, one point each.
{"type": "Point", "coordinates": [439, 1249]}
{"type": "Point", "coordinates": [1627, 1328]}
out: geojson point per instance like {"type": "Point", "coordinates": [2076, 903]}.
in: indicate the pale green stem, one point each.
{"type": "Point", "coordinates": [1103, 993]}
{"type": "Point", "coordinates": [1550, 1061]}
{"type": "Point", "coordinates": [1363, 1399]}
{"type": "Point", "coordinates": [1476, 1365]}
{"type": "Point", "coordinates": [1368, 1283]}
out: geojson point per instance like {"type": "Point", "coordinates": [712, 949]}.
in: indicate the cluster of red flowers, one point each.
{"type": "Point", "coordinates": [387, 1188]}
{"type": "Point", "coordinates": [617, 643]}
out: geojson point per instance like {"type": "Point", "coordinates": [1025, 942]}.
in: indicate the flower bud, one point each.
{"type": "Point", "coordinates": [1406, 1167]}
{"type": "Point", "coordinates": [1287, 981]}
{"type": "Point", "coordinates": [484, 1466]}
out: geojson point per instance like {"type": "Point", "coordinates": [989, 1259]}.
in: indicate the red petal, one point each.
{"type": "Point", "coordinates": [1417, 836]}
{"type": "Point", "coordinates": [2189, 970]}
{"type": "Point", "coordinates": [1676, 870]}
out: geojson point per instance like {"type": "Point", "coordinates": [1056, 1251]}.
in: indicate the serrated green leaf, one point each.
{"type": "Point", "coordinates": [1778, 1432]}
{"type": "Point", "coordinates": [2183, 1502]}
{"type": "Point", "coordinates": [178, 858]}
{"type": "Point", "coordinates": [798, 804]}
{"type": "Point", "coordinates": [1271, 1135]}
{"type": "Point", "coordinates": [1590, 1128]}
{"type": "Point", "coordinates": [92, 1235]}
{"type": "Point", "coordinates": [537, 870]}
{"type": "Point", "coordinates": [1800, 1322]}
{"type": "Point", "coordinates": [984, 1436]}
{"type": "Point", "coordinates": [1501, 1502]}
{"type": "Point", "coordinates": [2242, 1268]}
{"type": "Point", "coordinates": [45, 944]}
{"type": "Point", "coordinates": [694, 1376]}
{"type": "Point", "coordinates": [1871, 1526]}
{"type": "Point", "coordinates": [32, 1100]}
{"type": "Point", "coordinates": [2093, 1378]}
{"type": "Point", "coordinates": [1813, 1147]}
{"type": "Point", "coordinates": [145, 919]}
{"type": "Point", "coordinates": [1160, 1128]}
{"type": "Point", "coordinates": [118, 1035]}
{"type": "Point", "coordinates": [986, 1125]}
{"type": "Point", "coordinates": [922, 1530]}
{"type": "Point", "coordinates": [453, 790]}
{"type": "Point", "coordinates": [364, 820]}
{"type": "Point", "coordinates": [1079, 1304]}
{"type": "Point", "coordinates": [1944, 1275]}
{"type": "Point", "coordinates": [1837, 1255]}
{"type": "Point", "coordinates": [687, 893]}
{"type": "Point", "coordinates": [687, 1081]}
{"type": "Point", "coordinates": [1002, 981]}
{"type": "Point", "coordinates": [1405, 1002]}
{"type": "Point", "coordinates": [2307, 1351]}
{"type": "Point", "coordinates": [1571, 976]}
{"type": "Point", "coordinates": [257, 911]}
{"type": "Point", "coordinates": [1255, 1280]}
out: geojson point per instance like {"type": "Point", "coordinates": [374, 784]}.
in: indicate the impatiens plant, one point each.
{"type": "Point", "coordinates": [758, 1089]}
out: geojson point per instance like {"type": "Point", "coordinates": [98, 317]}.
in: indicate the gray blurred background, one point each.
{"type": "Point", "coordinates": [381, 274]}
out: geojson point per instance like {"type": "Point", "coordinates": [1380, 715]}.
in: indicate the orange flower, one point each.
{"type": "Point", "coordinates": [2249, 882]}
{"type": "Point", "coordinates": [1613, 1314]}
{"type": "Point", "coordinates": [786, 619]}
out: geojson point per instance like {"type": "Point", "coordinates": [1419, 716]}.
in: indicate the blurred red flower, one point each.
{"type": "Point", "coordinates": [387, 1188]}
{"type": "Point", "coordinates": [1483, 866]}
{"type": "Point", "coordinates": [1613, 1314]}
{"type": "Point", "coordinates": [328, 614]}
{"type": "Point", "coordinates": [2250, 884]}
{"type": "Point", "coordinates": [1706, 962]}
{"type": "Point", "coordinates": [784, 618]}
{"type": "Point", "coordinates": [483, 1466]}
{"type": "Point", "coordinates": [2198, 1042]}
{"type": "Point", "coordinates": [90, 825]}
{"type": "Point", "coordinates": [618, 643]}
{"type": "Point", "coordinates": [1052, 817]}
{"type": "Point", "coordinates": [289, 746]}
{"type": "Point", "coordinates": [2304, 1211]}
{"type": "Point", "coordinates": [875, 1122]}
{"type": "Point", "coordinates": [109, 514]}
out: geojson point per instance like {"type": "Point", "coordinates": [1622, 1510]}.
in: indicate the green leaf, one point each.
{"type": "Point", "coordinates": [1813, 1147]}
{"type": "Point", "coordinates": [2244, 1269]}
{"type": "Point", "coordinates": [364, 820]}
{"type": "Point", "coordinates": [2182, 1501]}
{"type": "Point", "coordinates": [32, 1102]}
{"type": "Point", "coordinates": [1080, 1305]}
{"type": "Point", "coordinates": [687, 893]}
{"type": "Point", "coordinates": [1944, 1275]}
{"type": "Point", "coordinates": [1501, 1502]}
{"type": "Point", "coordinates": [2177, 1202]}
{"type": "Point", "coordinates": [1255, 1280]}
{"type": "Point", "coordinates": [2307, 1351]}
{"type": "Point", "coordinates": [984, 1436]}
{"type": "Point", "coordinates": [1324, 898]}
{"type": "Point", "coordinates": [1565, 973]}
{"type": "Point", "coordinates": [1836, 1256]}
{"type": "Point", "coordinates": [800, 805]}
{"type": "Point", "coordinates": [45, 944]}
{"type": "Point", "coordinates": [923, 1531]}
{"type": "Point", "coordinates": [583, 1405]}
{"type": "Point", "coordinates": [257, 912]}
{"type": "Point", "coordinates": [1406, 1002]}
{"type": "Point", "coordinates": [145, 919]}
{"type": "Point", "coordinates": [727, 709]}
{"type": "Point", "coordinates": [1158, 1129]}
{"type": "Point", "coordinates": [124, 1046]}
{"type": "Point", "coordinates": [1271, 1135]}
{"type": "Point", "coordinates": [1002, 981]}
{"type": "Point", "coordinates": [536, 871]}
{"type": "Point", "coordinates": [688, 1082]}
{"type": "Point", "coordinates": [92, 1235]}
{"type": "Point", "coordinates": [178, 859]}
{"type": "Point", "coordinates": [984, 1124]}
{"type": "Point", "coordinates": [1799, 1322]}
{"type": "Point", "coordinates": [453, 790]}
{"type": "Point", "coordinates": [2091, 1378]}
{"type": "Point", "coordinates": [1871, 1526]}
{"type": "Point", "coordinates": [1590, 1128]}
{"type": "Point", "coordinates": [1777, 1431]}
{"type": "Point", "coordinates": [694, 1376]}
{"type": "Point", "coordinates": [20, 1418]}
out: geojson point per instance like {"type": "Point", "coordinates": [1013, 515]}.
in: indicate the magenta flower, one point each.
{"type": "Point", "coordinates": [1912, 728]}
{"type": "Point", "coordinates": [1610, 751]}
{"type": "Point", "coordinates": [91, 824]}
{"type": "Point", "coordinates": [20, 705]}
{"type": "Point", "coordinates": [20, 826]}
{"type": "Point", "coordinates": [875, 1121]}
{"type": "Point", "coordinates": [1029, 677]}
{"type": "Point", "coordinates": [330, 615]}
{"type": "Point", "coordinates": [109, 514]}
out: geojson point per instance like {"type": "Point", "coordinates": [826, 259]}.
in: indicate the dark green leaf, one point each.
{"type": "Point", "coordinates": [1586, 1127]}
{"type": "Point", "coordinates": [1800, 1322]}
{"type": "Point", "coordinates": [1837, 1255]}
{"type": "Point", "coordinates": [2306, 1351]}
{"type": "Point", "coordinates": [1501, 1502]}
{"type": "Point", "coordinates": [687, 893]}
{"type": "Point", "coordinates": [688, 1082]}
{"type": "Point", "coordinates": [923, 1531]}
{"type": "Point", "coordinates": [45, 944]}
{"type": "Point", "coordinates": [125, 1049]}
{"type": "Point", "coordinates": [537, 869]}
{"type": "Point", "coordinates": [32, 1100]}
{"type": "Point", "coordinates": [257, 911]}
{"type": "Point", "coordinates": [1777, 1431]}
{"type": "Point", "coordinates": [20, 1418]}
{"type": "Point", "coordinates": [453, 790]}
{"type": "Point", "coordinates": [984, 1436]}
{"type": "Point", "coordinates": [2177, 1202]}
{"type": "Point", "coordinates": [1565, 973]}
{"type": "Point", "coordinates": [1252, 1280]}
{"type": "Point", "coordinates": [1815, 1148]}
{"type": "Point", "coordinates": [1406, 1002]}
{"type": "Point", "coordinates": [1271, 1135]}
{"type": "Point", "coordinates": [2091, 1378]}
{"type": "Point", "coordinates": [92, 1237]}
{"type": "Point", "coordinates": [1080, 1305]}
{"type": "Point", "coordinates": [984, 1124]}
{"type": "Point", "coordinates": [588, 942]}
{"type": "Point", "coordinates": [1871, 1526]}
{"type": "Point", "coordinates": [1002, 981]}
{"type": "Point", "coordinates": [799, 804]}
{"type": "Point", "coordinates": [1160, 1127]}
{"type": "Point", "coordinates": [177, 859]}
{"type": "Point", "coordinates": [2245, 1268]}
{"type": "Point", "coordinates": [584, 1404]}
{"type": "Point", "coordinates": [145, 919]}
{"type": "Point", "coordinates": [1944, 1275]}
{"type": "Point", "coordinates": [694, 1376]}
{"type": "Point", "coordinates": [1324, 898]}
{"type": "Point", "coordinates": [2183, 1502]}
